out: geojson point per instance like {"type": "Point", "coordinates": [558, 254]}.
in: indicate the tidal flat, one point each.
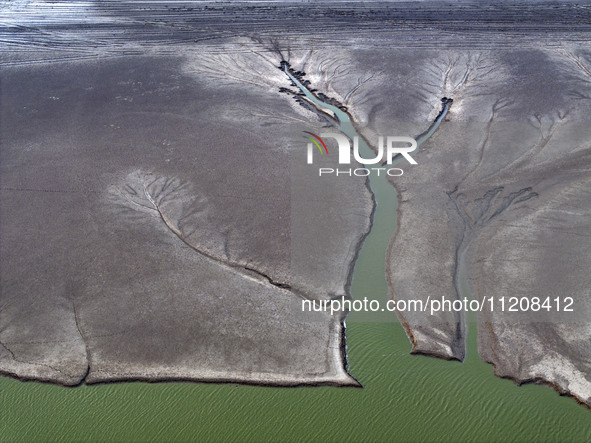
{"type": "Point", "coordinates": [153, 226]}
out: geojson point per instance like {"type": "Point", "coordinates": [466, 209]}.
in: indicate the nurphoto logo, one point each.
{"type": "Point", "coordinates": [393, 147]}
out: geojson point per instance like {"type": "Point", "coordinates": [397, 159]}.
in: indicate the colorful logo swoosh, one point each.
{"type": "Point", "coordinates": [316, 142]}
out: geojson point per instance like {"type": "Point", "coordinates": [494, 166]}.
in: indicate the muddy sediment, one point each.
{"type": "Point", "coordinates": [96, 275]}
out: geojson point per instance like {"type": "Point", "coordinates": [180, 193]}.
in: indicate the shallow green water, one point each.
{"type": "Point", "coordinates": [405, 398]}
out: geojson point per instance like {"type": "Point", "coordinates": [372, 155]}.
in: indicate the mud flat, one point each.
{"type": "Point", "coordinates": [145, 173]}
{"type": "Point", "coordinates": [146, 208]}
{"type": "Point", "coordinates": [498, 205]}
{"type": "Point", "coordinates": [505, 213]}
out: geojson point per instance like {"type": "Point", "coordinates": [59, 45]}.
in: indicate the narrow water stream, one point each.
{"type": "Point", "coordinates": [369, 276]}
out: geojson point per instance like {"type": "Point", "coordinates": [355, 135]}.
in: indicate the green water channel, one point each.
{"type": "Point", "coordinates": [404, 397]}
